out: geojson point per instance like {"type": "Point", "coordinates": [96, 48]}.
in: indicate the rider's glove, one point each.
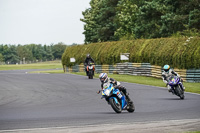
{"type": "Point", "coordinates": [112, 82]}
{"type": "Point", "coordinates": [181, 80]}
{"type": "Point", "coordinates": [98, 92]}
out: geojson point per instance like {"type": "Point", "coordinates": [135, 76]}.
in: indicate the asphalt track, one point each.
{"type": "Point", "coordinates": [46, 101]}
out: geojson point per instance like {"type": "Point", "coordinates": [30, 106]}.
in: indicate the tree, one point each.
{"type": "Point", "coordinates": [148, 22]}
{"type": "Point", "coordinates": [49, 53]}
{"type": "Point", "coordinates": [1, 58]}
{"type": "Point", "coordinates": [100, 21]}
{"type": "Point", "coordinates": [194, 19]}
{"type": "Point", "coordinates": [24, 52]}
{"type": "Point", "coordinates": [39, 52]}
{"type": "Point", "coordinates": [126, 17]}
{"type": "Point", "coordinates": [90, 21]}
{"type": "Point", "coordinates": [10, 54]}
{"type": "Point", "coordinates": [58, 50]}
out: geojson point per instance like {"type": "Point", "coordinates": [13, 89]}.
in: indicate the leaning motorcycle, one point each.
{"type": "Point", "coordinates": [116, 99]}
{"type": "Point", "coordinates": [90, 70]}
{"type": "Point", "coordinates": [174, 82]}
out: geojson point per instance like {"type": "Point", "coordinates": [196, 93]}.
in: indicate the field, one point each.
{"type": "Point", "coordinates": [40, 65]}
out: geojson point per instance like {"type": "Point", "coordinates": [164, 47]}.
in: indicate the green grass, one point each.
{"type": "Point", "coordinates": [42, 65]}
{"type": "Point", "coordinates": [49, 71]}
{"type": "Point", "coordinates": [192, 132]}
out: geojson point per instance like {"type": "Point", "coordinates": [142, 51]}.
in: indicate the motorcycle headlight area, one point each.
{"type": "Point", "coordinates": [107, 92]}
{"type": "Point", "coordinates": [90, 67]}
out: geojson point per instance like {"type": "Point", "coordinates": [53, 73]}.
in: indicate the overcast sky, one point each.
{"type": "Point", "coordinates": [42, 21]}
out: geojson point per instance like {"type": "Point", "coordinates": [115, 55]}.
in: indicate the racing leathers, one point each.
{"type": "Point", "coordinates": [86, 62]}
{"type": "Point", "coordinates": [117, 85]}
{"type": "Point", "coordinates": [167, 75]}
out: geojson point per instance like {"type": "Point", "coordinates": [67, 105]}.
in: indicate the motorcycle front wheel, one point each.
{"type": "Point", "coordinates": [116, 106]}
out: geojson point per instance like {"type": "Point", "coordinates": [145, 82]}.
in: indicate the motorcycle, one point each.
{"type": "Point", "coordinates": [116, 99]}
{"type": "Point", "coordinates": [174, 82]}
{"type": "Point", "coordinates": [90, 70]}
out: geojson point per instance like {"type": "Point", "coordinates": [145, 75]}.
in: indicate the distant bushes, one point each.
{"type": "Point", "coordinates": [181, 52]}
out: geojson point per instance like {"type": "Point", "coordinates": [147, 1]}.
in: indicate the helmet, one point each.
{"type": "Point", "coordinates": [103, 77]}
{"type": "Point", "coordinates": [166, 68]}
{"type": "Point", "coordinates": [88, 55]}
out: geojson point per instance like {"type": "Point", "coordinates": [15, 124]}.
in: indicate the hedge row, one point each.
{"type": "Point", "coordinates": [182, 53]}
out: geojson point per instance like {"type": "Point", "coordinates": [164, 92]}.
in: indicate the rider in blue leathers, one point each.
{"type": "Point", "coordinates": [105, 79]}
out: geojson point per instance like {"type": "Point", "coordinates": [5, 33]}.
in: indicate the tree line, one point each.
{"type": "Point", "coordinates": [113, 20]}
{"type": "Point", "coordinates": [12, 54]}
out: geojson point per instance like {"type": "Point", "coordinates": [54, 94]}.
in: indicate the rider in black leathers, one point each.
{"type": "Point", "coordinates": [88, 59]}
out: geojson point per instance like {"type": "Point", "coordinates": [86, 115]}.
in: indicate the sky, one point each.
{"type": "Point", "coordinates": [42, 21]}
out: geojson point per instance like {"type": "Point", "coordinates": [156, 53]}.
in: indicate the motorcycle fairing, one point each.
{"type": "Point", "coordinates": [124, 103]}
{"type": "Point", "coordinates": [173, 81]}
{"type": "Point", "coordinates": [123, 100]}
{"type": "Point", "coordinates": [115, 99]}
{"type": "Point", "coordinates": [105, 91]}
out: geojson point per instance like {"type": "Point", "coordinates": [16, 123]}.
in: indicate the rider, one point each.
{"type": "Point", "coordinates": [87, 60]}
{"type": "Point", "coordinates": [167, 73]}
{"type": "Point", "coordinates": [105, 79]}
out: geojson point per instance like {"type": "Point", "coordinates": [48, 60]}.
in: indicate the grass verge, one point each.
{"type": "Point", "coordinates": [42, 65]}
{"type": "Point", "coordinates": [48, 71]}
{"type": "Point", "coordinates": [192, 132]}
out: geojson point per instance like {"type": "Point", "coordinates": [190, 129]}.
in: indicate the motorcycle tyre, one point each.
{"type": "Point", "coordinates": [131, 108]}
{"type": "Point", "coordinates": [90, 77]}
{"type": "Point", "coordinates": [180, 92]}
{"type": "Point", "coordinates": [182, 96]}
{"type": "Point", "coordinates": [116, 108]}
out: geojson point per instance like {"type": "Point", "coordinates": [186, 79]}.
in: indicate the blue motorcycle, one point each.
{"type": "Point", "coordinates": [116, 99]}
{"type": "Point", "coordinates": [174, 82]}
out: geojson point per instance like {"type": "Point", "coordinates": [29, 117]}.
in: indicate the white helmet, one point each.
{"type": "Point", "coordinates": [103, 77]}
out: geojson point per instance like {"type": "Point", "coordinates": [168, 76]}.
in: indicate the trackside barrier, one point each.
{"type": "Point", "coordinates": [193, 75]}
{"type": "Point", "coordinates": [142, 69]}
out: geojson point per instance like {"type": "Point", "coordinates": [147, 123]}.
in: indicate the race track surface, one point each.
{"type": "Point", "coordinates": [30, 101]}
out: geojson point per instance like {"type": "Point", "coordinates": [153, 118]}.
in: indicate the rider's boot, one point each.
{"type": "Point", "coordinates": [169, 88]}
{"type": "Point", "coordinates": [128, 98]}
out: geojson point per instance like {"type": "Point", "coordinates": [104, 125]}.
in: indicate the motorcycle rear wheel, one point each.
{"type": "Point", "coordinates": [131, 108]}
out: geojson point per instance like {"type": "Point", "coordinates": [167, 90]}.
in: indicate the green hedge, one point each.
{"type": "Point", "coordinates": [177, 52]}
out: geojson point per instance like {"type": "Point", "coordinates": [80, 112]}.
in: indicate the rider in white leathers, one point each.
{"type": "Point", "coordinates": [168, 72]}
